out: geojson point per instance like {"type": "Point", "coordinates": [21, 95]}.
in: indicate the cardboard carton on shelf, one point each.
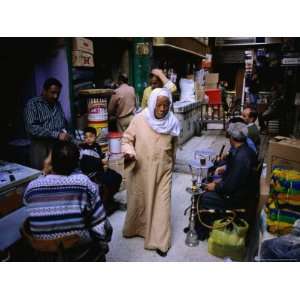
{"type": "Point", "coordinates": [283, 151]}
{"type": "Point", "coordinates": [83, 44]}
{"type": "Point", "coordinates": [264, 190]}
{"type": "Point", "coordinates": [82, 59]}
{"type": "Point", "coordinates": [211, 80]}
{"type": "Point", "coordinates": [211, 86]}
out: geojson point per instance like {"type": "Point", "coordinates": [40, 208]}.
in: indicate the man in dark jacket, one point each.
{"type": "Point", "coordinates": [237, 180]}
{"type": "Point", "coordinates": [237, 185]}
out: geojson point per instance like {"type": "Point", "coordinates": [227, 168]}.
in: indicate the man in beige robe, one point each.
{"type": "Point", "coordinates": [149, 147]}
{"type": "Point", "coordinates": [122, 104]}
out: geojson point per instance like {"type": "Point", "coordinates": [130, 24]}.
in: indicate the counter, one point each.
{"type": "Point", "coordinates": [13, 181]}
{"type": "Point", "coordinates": [188, 113]}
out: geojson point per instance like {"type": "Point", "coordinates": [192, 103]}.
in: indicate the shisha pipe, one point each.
{"type": "Point", "coordinates": [232, 212]}
{"type": "Point", "coordinates": [194, 179]}
{"type": "Point", "coordinates": [222, 150]}
{"type": "Point", "coordinates": [191, 236]}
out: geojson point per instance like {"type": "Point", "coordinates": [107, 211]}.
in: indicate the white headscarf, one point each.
{"type": "Point", "coordinates": [167, 125]}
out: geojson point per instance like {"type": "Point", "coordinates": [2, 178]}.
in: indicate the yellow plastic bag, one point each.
{"type": "Point", "coordinates": [228, 241]}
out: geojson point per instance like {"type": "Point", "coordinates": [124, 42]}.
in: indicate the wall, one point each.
{"type": "Point", "coordinates": [56, 66]}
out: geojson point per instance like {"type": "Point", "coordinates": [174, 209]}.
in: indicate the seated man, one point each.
{"type": "Point", "coordinates": [220, 162]}
{"type": "Point", "coordinates": [250, 116]}
{"type": "Point", "coordinates": [238, 178]}
{"type": "Point", "coordinates": [65, 203]}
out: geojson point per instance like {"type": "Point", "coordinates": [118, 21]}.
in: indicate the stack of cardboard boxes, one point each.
{"type": "Point", "coordinates": [284, 152]}
{"type": "Point", "coordinates": [83, 52]}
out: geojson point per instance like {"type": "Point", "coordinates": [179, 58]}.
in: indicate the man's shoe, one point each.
{"type": "Point", "coordinates": [160, 253]}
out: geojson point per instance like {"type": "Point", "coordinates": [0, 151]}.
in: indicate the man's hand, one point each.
{"type": "Point", "coordinates": [47, 168]}
{"type": "Point", "coordinates": [160, 74]}
{"type": "Point", "coordinates": [129, 157]}
{"type": "Point", "coordinates": [220, 170]}
{"type": "Point", "coordinates": [210, 187]}
{"type": "Point", "coordinates": [63, 136]}
{"type": "Point", "coordinates": [222, 157]}
{"type": "Point", "coordinates": [157, 72]}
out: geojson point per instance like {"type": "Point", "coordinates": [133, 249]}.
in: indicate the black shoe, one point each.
{"type": "Point", "coordinates": [186, 229]}
{"type": "Point", "coordinates": [160, 253]}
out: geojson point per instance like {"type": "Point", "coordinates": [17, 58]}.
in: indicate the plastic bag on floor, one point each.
{"type": "Point", "coordinates": [228, 241]}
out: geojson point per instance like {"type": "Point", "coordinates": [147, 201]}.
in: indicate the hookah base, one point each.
{"type": "Point", "coordinates": [191, 239]}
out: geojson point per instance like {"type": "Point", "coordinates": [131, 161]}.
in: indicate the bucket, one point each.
{"type": "Point", "coordinates": [114, 139]}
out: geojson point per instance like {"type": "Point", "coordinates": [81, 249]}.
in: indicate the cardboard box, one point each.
{"type": "Point", "coordinates": [211, 80]}
{"type": "Point", "coordinates": [283, 151]}
{"type": "Point", "coordinates": [83, 44]}
{"type": "Point", "coordinates": [82, 59]}
{"type": "Point", "coordinates": [264, 190]}
{"type": "Point", "coordinates": [211, 86]}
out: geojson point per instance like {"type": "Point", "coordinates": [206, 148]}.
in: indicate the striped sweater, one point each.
{"type": "Point", "coordinates": [64, 205]}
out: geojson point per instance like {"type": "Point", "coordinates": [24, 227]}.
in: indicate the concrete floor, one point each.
{"type": "Point", "coordinates": [121, 249]}
{"type": "Point", "coordinates": [213, 139]}
{"type": "Point", "coordinates": [132, 250]}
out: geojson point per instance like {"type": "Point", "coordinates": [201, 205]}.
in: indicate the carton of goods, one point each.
{"type": "Point", "coordinates": [83, 44]}
{"type": "Point", "coordinates": [211, 80]}
{"type": "Point", "coordinates": [283, 152]}
{"type": "Point", "coordinates": [82, 59]}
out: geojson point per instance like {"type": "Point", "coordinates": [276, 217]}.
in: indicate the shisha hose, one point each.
{"type": "Point", "coordinates": [229, 221]}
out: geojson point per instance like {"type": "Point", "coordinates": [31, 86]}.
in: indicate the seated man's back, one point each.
{"type": "Point", "coordinates": [60, 206]}
{"type": "Point", "coordinates": [65, 203]}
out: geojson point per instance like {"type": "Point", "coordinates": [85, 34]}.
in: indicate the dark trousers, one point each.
{"type": "Point", "coordinates": [109, 182]}
{"type": "Point", "coordinates": [212, 200]}
{"type": "Point", "coordinates": [39, 150]}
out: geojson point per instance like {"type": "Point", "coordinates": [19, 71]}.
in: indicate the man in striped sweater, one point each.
{"type": "Point", "coordinates": [66, 203]}
{"type": "Point", "coordinates": [45, 122]}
